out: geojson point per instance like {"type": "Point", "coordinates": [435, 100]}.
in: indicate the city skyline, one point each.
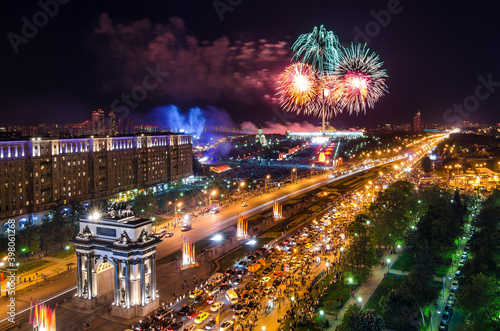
{"type": "Point", "coordinates": [52, 92]}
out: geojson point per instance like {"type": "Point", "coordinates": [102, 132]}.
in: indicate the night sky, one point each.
{"type": "Point", "coordinates": [91, 52]}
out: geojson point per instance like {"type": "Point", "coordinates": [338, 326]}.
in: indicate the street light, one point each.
{"type": "Point", "coordinates": [350, 284]}
{"type": "Point", "coordinates": [291, 174]}
{"type": "Point", "coordinates": [388, 265]}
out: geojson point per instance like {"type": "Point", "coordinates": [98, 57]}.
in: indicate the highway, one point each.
{"type": "Point", "coordinates": [202, 227]}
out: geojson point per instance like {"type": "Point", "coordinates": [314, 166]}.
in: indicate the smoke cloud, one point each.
{"type": "Point", "coordinates": [200, 72]}
{"type": "Point", "coordinates": [194, 121]}
{"type": "Point", "coordinates": [270, 127]}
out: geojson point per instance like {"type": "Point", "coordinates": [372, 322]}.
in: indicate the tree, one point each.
{"type": "Point", "coordinates": [29, 240]}
{"type": "Point", "coordinates": [426, 164]}
{"type": "Point", "coordinates": [47, 235]}
{"type": "Point", "coordinates": [355, 319]}
{"type": "Point", "coordinates": [479, 300]}
{"type": "Point", "coordinates": [145, 205]}
{"type": "Point", "coordinates": [393, 212]}
{"type": "Point", "coordinates": [63, 230]}
{"type": "Point", "coordinates": [361, 251]}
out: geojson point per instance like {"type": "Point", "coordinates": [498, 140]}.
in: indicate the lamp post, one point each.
{"type": "Point", "coordinates": [291, 175]}
{"type": "Point", "coordinates": [388, 265]}
{"type": "Point", "coordinates": [350, 285]}
{"type": "Point", "coordinates": [265, 185]}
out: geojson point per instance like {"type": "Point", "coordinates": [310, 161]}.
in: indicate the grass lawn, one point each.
{"type": "Point", "coordinates": [329, 300]}
{"type": "Point", "coordinates": [32, 265]}
{"type": "Point", "coordinates": [62, 253]}
{"type": "Point", "coordinates": [404, 262]}
{"type": "Point", "coordinates": [388, 283]}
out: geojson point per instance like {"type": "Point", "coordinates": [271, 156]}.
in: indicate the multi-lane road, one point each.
{"type": "Point", "coordinates": [202, 228]}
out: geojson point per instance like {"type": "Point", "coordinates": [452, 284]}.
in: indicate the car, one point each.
{"type": "Point", "coordinates": [449, 310]}
{"type": "Point", "coordinates": [227, 325]}
{"type": "Point", "coordinates": [201, 317]}
{"type": "Point", "coordinates": [237, 306]}
{"type": "Point", "coordinates": [186, 228]}
{"type": "Point", "coordinates": [195, 293]}
{"type": "Point", "coordinates": [244, 204]}
{"type": "Point", "coordinates": [267, 270]}
{"type": "Point", "coordinates": [192, 313]}
{"type": "Point", "coordinates": [162, 313]}
{"type": "Point", "coordinates": [264, 280]}
{"type": "Point", "coordinates": [224, 288]}
{"type": "Point", "coordinates": [253, 304]}
{"type": "Point", "coordinates": [273, 264]}
{"type": "Point", "coordinates": [457, 274]}
{"type": "Point", "coordinates": [200, 297]}
{"type": "Point", "coordinates": [241, 314]}
{"type": "Point", "coordinates": [234, 281]}
{"type": "Point", "coordinates": [451, 299]}
{"type": "Point", "coordinates": [191, 327]}
{"type": "Point", "coordinates": [454, 285]}
{"type": "Point", "coordinates": [141, 325]}
{"type": "Point", "coordinates": [446, 318]}
{"type": "Point", "coordinates": [169, 234]}
{"type": "Point", "coordinates": [163, 324]}
{"type": "Point", "coordinates": [250, 285]}
{"type": "Point", "coordinates": [210, 299]}
{"type": "Point", "coordinates": [186, 309]}
{"type": "Point", "coordinates": [307, 246]}
{"type": "Point", "coordinates": [211, 325]}
{"type": "Point", "coordinates": [269, 290]}
{"type": "Point", "coordinates": [216, 306]}
{"type": "Point", "coordinates": [443, 326]}
{"type": "Point", "coordinates": [175, 326]}
{"type": "Point", "coordinates": [276, 282]}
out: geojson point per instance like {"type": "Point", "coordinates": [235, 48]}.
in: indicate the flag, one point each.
{"type": "Point", "coordinates": [217, 320]}
{"type": "Point", "coordinates": [31, 309]}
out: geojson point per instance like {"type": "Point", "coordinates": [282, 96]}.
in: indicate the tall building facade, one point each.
{"type": "Point", "coordinates": [38, 174]}
{"type": "Point", "coordinates": [417, 123]}
{"type": "Point", "coordinates": [98, 126]}
{"type": "Point", "coordinates": [112, 126]}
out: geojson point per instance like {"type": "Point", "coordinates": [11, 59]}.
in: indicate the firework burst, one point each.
{"type": "Point", "coordinates": [320, 49]}
{"type": "Point", "coordinates": [297, 88]}
{"type": "Point", "coordinates": [361, 79]}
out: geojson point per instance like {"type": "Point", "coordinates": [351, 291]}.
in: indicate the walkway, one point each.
{"type": "Point", "coordinates": [365, 291]}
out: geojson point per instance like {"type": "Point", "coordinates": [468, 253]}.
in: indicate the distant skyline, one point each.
{"type": "Point", "coordinates": [441, 58]}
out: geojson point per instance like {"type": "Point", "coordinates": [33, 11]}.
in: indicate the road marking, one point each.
{"type": "Point", "coordinates": [42, 301]}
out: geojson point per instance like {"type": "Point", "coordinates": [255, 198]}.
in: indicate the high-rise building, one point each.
{"type": "Point", "coordinates": [98, 122]}
{"type": "Point", "coordinates": [417, 122]}
{"type": "Point", "coordinates": [112, 130]}
{"type": "Point", "coordinates": [120, 126]}
{"type": "Point", "coordinates": [38, 174]}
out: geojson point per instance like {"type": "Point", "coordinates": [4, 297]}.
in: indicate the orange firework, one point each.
{"type": "Point", "coordinates": [298, 88]}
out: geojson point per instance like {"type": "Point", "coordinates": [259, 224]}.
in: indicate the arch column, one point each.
{"type": "Point", "coordinates": [153, 276]}
{"type": "Point", "coordinates": [143, 294]}
{"type": "Point", "coordinates": [127, 283]}
{"type": "Point", "coordinates": [79, 274]}
{"type": "Point", "coordinates": [89, 275]}
{"type": "Point", "coordinates": [117, 281]}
